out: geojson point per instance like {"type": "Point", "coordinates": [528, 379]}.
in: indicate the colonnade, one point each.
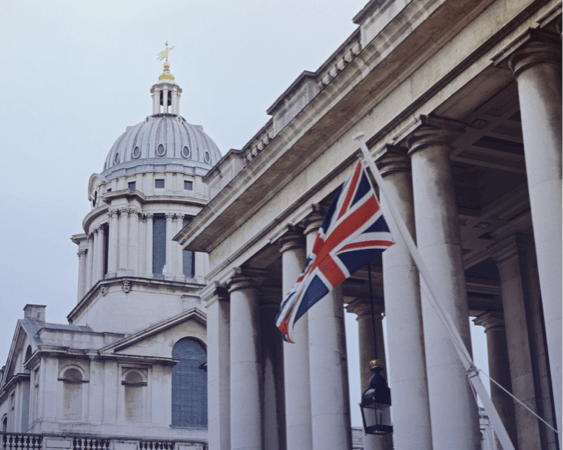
{"type": "Point", "coordinates": [172, 107]}
{"type": "Point", "coordinates": [129, 248]}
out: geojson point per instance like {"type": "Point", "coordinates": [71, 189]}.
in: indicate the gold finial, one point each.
{"type": "Point", "coordinates": [166, 75]}
{"type": "Point", "coordinates": [374, 363]}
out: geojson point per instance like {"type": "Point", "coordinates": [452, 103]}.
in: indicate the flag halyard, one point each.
{"type": "Point", "coordinates": [353, 233]}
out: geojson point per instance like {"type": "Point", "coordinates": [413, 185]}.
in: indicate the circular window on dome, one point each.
{"type": "Point", "coordinates": [116, 159]}
{"type": "Point", "coordinates": [136, 152]}
{"type": "Point", "coordinates": [207, 157]}
{"type": "Point", "coordinates": [160, 150]}
{"type": "Point", "coordinates": [186, 152]}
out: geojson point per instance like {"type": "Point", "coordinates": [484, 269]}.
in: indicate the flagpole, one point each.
{"type": "Point", "coordinates": [389, 211]}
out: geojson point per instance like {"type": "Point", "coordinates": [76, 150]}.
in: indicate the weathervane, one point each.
{"type": "Point", "coordinates": [164, 54]}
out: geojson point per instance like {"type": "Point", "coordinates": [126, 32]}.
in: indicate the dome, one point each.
{"type": "Point", "coordinates": [162, 139]}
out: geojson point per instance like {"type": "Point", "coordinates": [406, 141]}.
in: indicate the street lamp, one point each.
{"type": "Point", "coordinates": [376, 403]}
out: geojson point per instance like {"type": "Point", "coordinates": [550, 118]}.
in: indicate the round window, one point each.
{"type": "Point", "coordinates": [186, 152]}
{"type": "Point", "coordinates": [160, 150]}
{"type": "Point", "coordinates": [207, 157]}
{"type": "Point", "coordinates": [136, 152]}
{"type": "Point", "coordinates": [116, 159]}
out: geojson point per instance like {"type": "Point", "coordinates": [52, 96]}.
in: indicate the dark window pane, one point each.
{"type": "Point", "coordinates": [158, 183]}
{"type": "Point", "coordinates": [188, 185]}
{"type": "Point", "coordinates": [189, 385]}
{"type": "Point", "coordinates": [188, 256]}
{"type": "Point", "coordinates": [106, 248]}
{"type": "Point", "coordinates": [132, 186]}
{"type": "Point", "coordinates": [158, 245]}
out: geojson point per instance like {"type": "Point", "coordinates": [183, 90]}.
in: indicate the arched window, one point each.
{"type": "Point", "coordinates": [134, 396]}
{"type": "Point", "coordinates": [189, 385]}
{"type": "Point", "coordinates": [72, 394]}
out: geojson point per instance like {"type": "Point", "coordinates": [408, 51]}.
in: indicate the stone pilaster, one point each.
{"type": "Point", "coordinates": [499, 369]}
{"type": "Point", "coordinates": [509, 255]}
{"type": "Point", "coordinates": [453, 410]}
{"type": "Point", "coordinates": [90, 262]}
{"type": "Point", "coordinates": [81, 272]}
{"type": "Point", "coordinates": [246, 363]}
{"type": "Point", "coordinates": [123, 241]}
{"type": "Point", "coordinates": [328, 368]}
{"type": "Point", "coordinates": [133, 267]}
{"type": "Point", "coordinates": [170, 246]}
{"type": "Point", "coordinates": [296, 356]}
{"type": "Point", "coordinates": [100, 253]}
{"type": "Point", "coordinates": [149, 244]}
{"type": "Point", "coordinates": [216, 301]}
{"type": "Point", "coordinates": [536, 63]}
{"type": "Point", "coordinates": [113, 248]}
{"type": "Point", "coordinates": [403, 310]}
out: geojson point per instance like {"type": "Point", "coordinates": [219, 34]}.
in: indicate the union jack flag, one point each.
{"type": "Point", "coordinates": [352, 234]}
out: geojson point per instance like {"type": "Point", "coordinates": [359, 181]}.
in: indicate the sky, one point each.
{"type": "Point", "coordinates": [74, 74]}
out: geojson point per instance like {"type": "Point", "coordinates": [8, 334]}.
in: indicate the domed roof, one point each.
{"type": "Point", "coordinates": [162, 139]}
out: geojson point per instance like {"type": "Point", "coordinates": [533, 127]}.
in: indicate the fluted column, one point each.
{"type": "Point", "coordinates": [216, 301]}
{"type": "Point", "coordinates": [149, 244]}
{"type": "Point", "coordinates": [453, 410]}
{"type": "Point", "coordinates": [328, 367]}
{"type": "Point", "coordinates": [133, 242]}
{"type": "Point", "coordinates": [113, 249]}
{"type": "Point", "coordinates": [537, 69]}
{"type": "Point", "coordinates": [170, 246]}
{"type": "Point", "coordinates": [100, 256]}
{"type": "Point", "coordinates": [509, 255]}
{"type": "Point", "coordinates": [296, 356]}
{"type": "Point", "coordinates": [123, 241]}
{"type": "Point", "coordinates": [89, 261]}
{"type": "Point", "coordinates": [362, 309]}
{"type": "Point", "coordinates": [81, 272]}
{"type": "Point", "coordinates": [499, 369]}
{"type": "Point", "coordinates": [403, 309]}
{"type": "Point", "coordinates": [272, 363]}
{"type": "Point", "coordinates": [246, 364]}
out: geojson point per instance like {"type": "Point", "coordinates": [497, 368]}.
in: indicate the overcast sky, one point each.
{"type": "Point", "coordinates": [74, 74]}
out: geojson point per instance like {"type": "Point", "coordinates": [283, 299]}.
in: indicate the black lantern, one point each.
{"type": "Point", "coordinates": [376, 403]}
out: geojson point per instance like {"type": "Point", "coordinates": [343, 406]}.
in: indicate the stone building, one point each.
{"type": "Point", "coordinates": [131, 362]}
{"type": "Point", "coordinates": [460, 104]}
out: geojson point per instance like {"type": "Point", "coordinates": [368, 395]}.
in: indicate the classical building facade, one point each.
{"type": "Point", "coordinates": [131, 362]}
{"type": "Point", "coordinates": [460, 103]}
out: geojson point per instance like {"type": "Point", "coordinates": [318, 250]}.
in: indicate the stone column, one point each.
{"type": "Point", "coordinates": [215, 299]}
{"type": "Point", "coordinates": [537, 68]}
{"type": "Point", "coordinates": [156, 102]}
{"type": "Point", "coordinates": [362, 309]}
{"type": "Point", "coordinates": [89, 261]}
{"type": "Point", "coordinates": [405, 340]}
{"type": "Point", "coordinates": [100, 256]}
{"type": "Point", "coordinates": [246, 366]}
{"type": "Point", "coordinates": [175, 102]}
{"type": "Point", "coordinates": [81, 272]}
{"type": "Point", "coordinates": [453, 410]}
{"type": "Point", "coordinates": [296, 356]}
{"type": "Point", "coordinates": [149, 244]}
{"type": "Point", "coordinates": [499, 369]}
{"type": "Point", "coordinates": [165, 100]}
{"type": "Point", "coordinates": [113, 250]}
{"type": "Point", "coordinates": [272, 363]}
{"type": "Point", "coordinates": [170, 246]}
{"type": "Point", "coordinates": [179, 250]}
{"type": "Point", "coordinates": [133, 242]}
{"type": "Point", "coordinates": [328, 367]}
{"type": "Point", "coordinates": [509, 255]}
{"type": "Point", "coordinates": [123, 241]}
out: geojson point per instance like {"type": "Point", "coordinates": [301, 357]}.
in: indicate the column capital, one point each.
{"type": "Point", "coordinates": [532, 48]}
{"type": "Point", "coordinates": [245, 278]}
{"type": "Point", "coordinates": [213, 292]}
{"type": "Point", "coordinates": [392, 158]}
{"type": "Point", "coordinates": [123, 211]}
{"type": "Point", "coordinates": [291, 237]}
{"type": "Point", "coordinates": [362, 308]}
{"type": "Point", "coordinates": [490, 320]}
{"type": "Point", "coordinates": [314, 220]}
{"type": "Point", "coordinates": [507, 248]}
{"type": "Point", "coordinates": [425, 131]}
{"type": "Point", "coordinates": [149, 216]}
{"type": "Point", "coordinates": [113, 212]}
{"type": "Point", "coordinates": [82, 252]}
{"type": "Point", "coordinates": [170, 216]}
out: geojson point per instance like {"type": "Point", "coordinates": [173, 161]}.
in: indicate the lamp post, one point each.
{"type": "Point", "coordinates": [376, 399]}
